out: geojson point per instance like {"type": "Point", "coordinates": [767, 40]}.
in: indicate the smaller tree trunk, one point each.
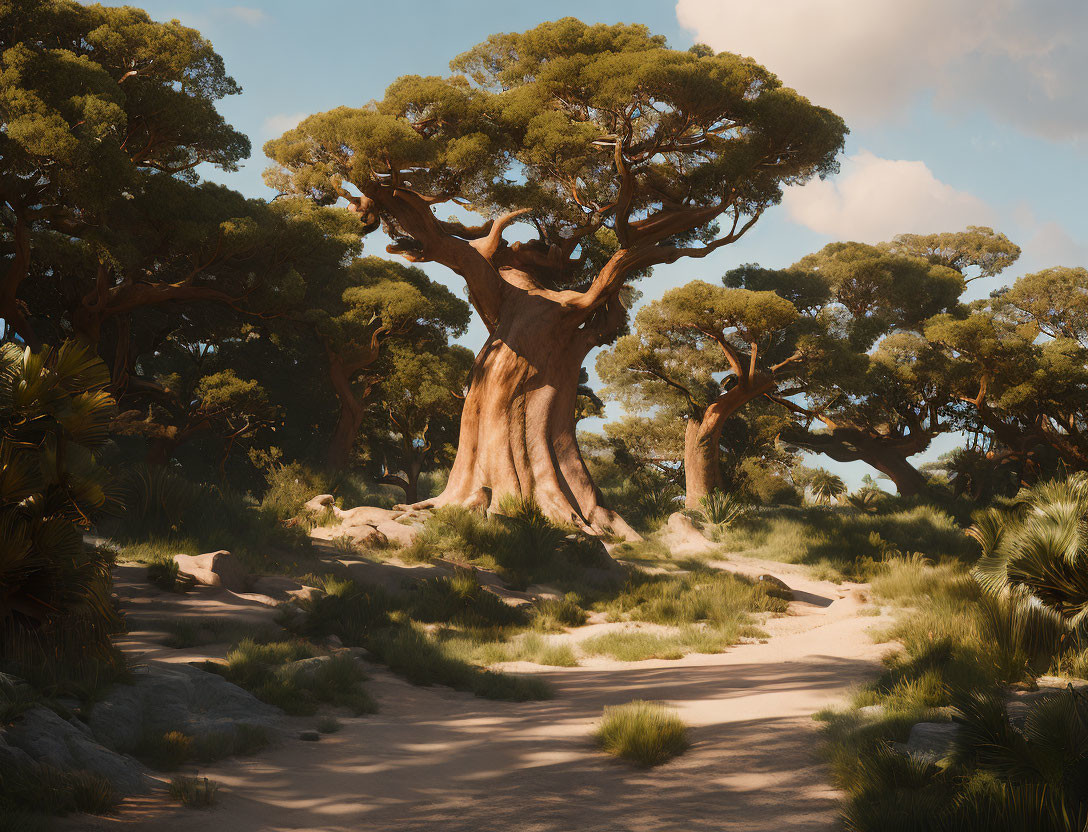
{"type": "Point", "coordinates": [702, 439]}
{"type": "Point", "coordinates": [352, 413]}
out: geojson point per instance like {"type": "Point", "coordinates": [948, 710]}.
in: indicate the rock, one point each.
{"type": "Point", "coordinates": [307, 593]}
{"type": "Point", "coordinates": [334, 641]}
{"type": "Point", "coordinates": [309, 736]}
{"type": "Point", "coordinates": [275, 586]}
{"type": "Point", "coordinates": [12, 756]}
{"type": "Point", "coordinates": [46, 738]}
{"type": "Point", "coordinates": [683, 537]}
{"type": "Point", "coordinates": [215, 569]}
{"type": "Point", "coordinates": [398, 533]}
{"type": "Point", "coordinates": [367, 516]}
{"type": "Point", "coordinates": [872, 711]}
{"type": "Point", "coordinates": [777, 583]}
{"type": "Point", "coordinates": [319, 503]}
{"type": "Point", "coordinates": [930, 741]}
{"type": "Point", "coordinates": [178, 697]}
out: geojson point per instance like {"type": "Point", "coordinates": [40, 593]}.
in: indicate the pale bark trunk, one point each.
{"type": "Point", "coordinates": [702, 439]}
{"type": "Point", "coordinates": [518, 428]}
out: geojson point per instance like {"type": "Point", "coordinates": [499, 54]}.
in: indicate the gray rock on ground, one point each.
{"type": "Point", "coordinates": [180, 698]}
{"type": "Point", "coordinates": [44, 737]}
{"type": "Point", "coordinates": [215, 569]}
{"type": "Point", "coordinates": [930, 741]}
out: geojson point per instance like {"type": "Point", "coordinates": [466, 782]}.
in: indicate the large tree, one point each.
{"type": "Point", "coordinates": [92, 100]}
{"type": "Point", "coordinates": [618, 153]}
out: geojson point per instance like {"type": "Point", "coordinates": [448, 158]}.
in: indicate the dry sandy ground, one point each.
{"type": "Point", "coordinates": [442, 761]}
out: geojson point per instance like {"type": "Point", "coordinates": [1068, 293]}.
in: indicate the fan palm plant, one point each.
{"type": "Point", "coordinates": [826, 486]}
{"type": "Point", "coordinates": [1039, 547]}
{"type": "Point", "coordinates": [54, 413]}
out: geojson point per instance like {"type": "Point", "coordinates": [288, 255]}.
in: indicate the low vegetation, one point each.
{"type": "Point", "coordinates": [194, 792]}
{"type": "Point", "coordinates": [845, 543]}
{"type": "Point", "coordinates": [291, 676]}
{"type": "Point", "coordinates": [171, 750]}
{"type": "Point", "coordinates": [967, 635]}
{"type": "Point", "coordinates": [644, 733]}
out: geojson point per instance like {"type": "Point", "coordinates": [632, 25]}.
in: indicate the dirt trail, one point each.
{"type": "Point", "coordinates": [442, 761]}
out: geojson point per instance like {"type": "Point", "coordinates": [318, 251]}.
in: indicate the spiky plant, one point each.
{"type": "Point", "coordinates": [54, 413]}
{"type": "Point", "coordinates": [1039, 547]}
{"type": "Point", "coordinates": [722, 509]}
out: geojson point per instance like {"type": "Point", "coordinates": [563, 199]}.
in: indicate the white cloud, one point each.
{"type": "Point", "coordinates": [247, 14]}
{"type": "Point", "coordinates": [281, 122]}
{"type": "Point", "coordinates": [1024, 61]}
{"type": "Point", "coordinates": [874, 199]}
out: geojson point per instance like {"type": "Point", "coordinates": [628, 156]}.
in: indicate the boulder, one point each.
{"type": "Point", "coordinates": [683, 537]}
{"type": "Point", "coordinates": [215, 569]}
{"type": "Point", "coordinates": [175, 698]}
{"type": "Point", "coordinates": [319, 503]}
{"type": "Point", "coordinates": [45, 737]}
{"type": "Point", "coordinates": [367, 516]}
{"type": "Point", "coordinates": [930, 741]}
{"type": "Point", "coordinates": [398, 533]}
{"type": "Point", "coordinates": [307, 593]}
{"type": "Point", "coordinates": [772, 581]}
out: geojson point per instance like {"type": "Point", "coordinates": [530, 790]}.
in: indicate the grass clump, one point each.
{"type": "Point", "coordinates": [644, 733]}
{"type": "Point", "coordinates": [520, 542]}
{"type": "Point", "coordinates": [39, 789]}
{"type": "Point", "coordinates": [530, 647]}
{"type": "Point", "coordinates": [552, 615]}
{"type": "Point", "coordinates": [459, 599]}
{"type": "Point", "coordinates": [198, 632]}
{"type": "Point", "coordinates": [719, 599]}
{"type": "Point", "coordinates": [165, 574]}
{"type": "Point", "coordinates": [846, 543]}
{"type": "Point", "coordinates": [328, 725]}
{"type": "Point", "coordinates": [277, 674]}
{"type": "Point", "coordinates": [171, 750]}
{"type": "Point", "coordinates": [194, 792]}
{"type": "Point", "coordinates": [422, 660]}
{"type": "Point", "coordinates": [638, 645]}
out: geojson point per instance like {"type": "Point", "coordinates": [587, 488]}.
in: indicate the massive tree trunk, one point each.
{"type": "Point", "coordinates": [908, 479]}
{"type": "Point", "coordinates": [518, 428]}
{"type": "Point", "coordinates": [702, 438]}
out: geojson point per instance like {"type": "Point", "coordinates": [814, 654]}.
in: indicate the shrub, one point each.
{"type": "Point", "coordinates": [92, 793]}
{"type": "Point", "coordinates": [459, 599]}
{"type": "Point", "coordinates": [273, 673]}
{"type": "Point", "coordinates": [42, 788]}
{"type": "Point", "coordinates": [644, 733]}
{"type": "Point", "coordinates": [556, 614]}
{"type": "Point", "coordinates": [194, 792]}
{"type": "Point", "coordinates": [638, 645]}
{"type": "Point", "coordinates": [329, 725]}
{"type": "Point", "coordinates": [1039, 548]}
{"type": "Point", "coordinates": [165, 752]}
{"type": "Point", "coordinates": [410, 653]}
{"type": "Point", "coordinates": [166, 575]}
{"type": "Point", "coordinates": [54, 417]}
{"type": "Point", "coordinates": [722, 509]}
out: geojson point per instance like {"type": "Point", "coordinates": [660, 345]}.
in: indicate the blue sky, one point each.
{"type": "Point", "coordinates": [961, 111]}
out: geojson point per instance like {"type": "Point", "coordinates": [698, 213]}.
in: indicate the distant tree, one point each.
{"type": "Point", "coordinates": [975, 252]}
{"type": "Point", "coordinates": [619, 153]}
{"type": "Point", "coordinates": [683, 344]}
{"type": "Point", "coordinates": [418, 402]}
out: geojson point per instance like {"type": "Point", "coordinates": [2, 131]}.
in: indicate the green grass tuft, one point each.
{"type": "Point", "coordinates": [644, 733]}
{"type": "Point", "coordinates": [194, 792]}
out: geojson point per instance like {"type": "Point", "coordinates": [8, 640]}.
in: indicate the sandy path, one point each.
{"type": "Point", "coordinates": [442, 761]}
